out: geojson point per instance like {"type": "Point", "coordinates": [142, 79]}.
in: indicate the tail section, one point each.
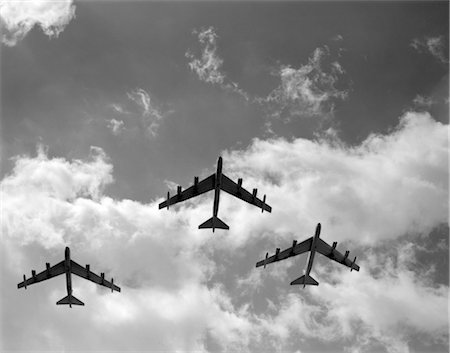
{"type": "Point", "coordinates": [69, 300]}
{"type": "Point", "coordinates": [305, 279]}
{"type": "Point", "coordinates": [214, 222]}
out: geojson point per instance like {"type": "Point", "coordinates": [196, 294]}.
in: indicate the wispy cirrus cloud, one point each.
{"type": "Point", "coordinates": [436, 46]}
{"type": "Point", "coordinates": [423, 101]}
{"type": "Point", "coordinates": [308, 91]}
{"type": "Point", "coordinates": [208, 66]}
{"type": "Point", "coordinates": [116, 126]}
{"type": "Point", "coordinates": [151, 114]}
{"type": "Point", "coordinates": [19, 17]}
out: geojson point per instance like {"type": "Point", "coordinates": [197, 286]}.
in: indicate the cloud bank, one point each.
{"type": "Point", "coordinates": [19, 17]}
{"type": "Point", "coordinates": [183, 289]}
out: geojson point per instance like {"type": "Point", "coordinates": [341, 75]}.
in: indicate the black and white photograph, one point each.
{"type": "Point", "coordinates": [224, 176]}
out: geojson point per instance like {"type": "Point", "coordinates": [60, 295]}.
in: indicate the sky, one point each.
{"type": "Point", "coordinates": [337, 111]}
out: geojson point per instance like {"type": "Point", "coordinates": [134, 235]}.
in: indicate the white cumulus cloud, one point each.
{"type": "Point", "coordinates": [185, 285]}
{"type": "Point", "coordinates": [19, 17]}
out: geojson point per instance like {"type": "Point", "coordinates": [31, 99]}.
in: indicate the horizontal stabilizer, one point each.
{"type": "Point", "coordinates": [305, 280]}
{"type": "Point", "coordinates": [214, 222]}
{"type": "Point", "coordinates": [70, 301]}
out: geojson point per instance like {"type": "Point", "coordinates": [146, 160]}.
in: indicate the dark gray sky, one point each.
{"type": "Point", "coordinates": [338, 111]}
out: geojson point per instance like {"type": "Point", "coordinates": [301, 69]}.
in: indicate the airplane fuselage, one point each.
{"type": "Point", "coordinates": [218, 181]}
{"type": "Point", "coordinates": [68, 273]}
{"type": "Point", "coordinates": [313, 251]}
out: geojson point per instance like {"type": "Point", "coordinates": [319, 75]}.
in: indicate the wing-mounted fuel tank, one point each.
{"type": "Point", "coordinates": [168, 199]}
{"type": "Point", "coordinates": [263, 204]}
{"type": "Point", "coordinates": [353, 262]}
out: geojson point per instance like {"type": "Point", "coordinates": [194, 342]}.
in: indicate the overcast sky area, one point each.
{"type": "Point", "coordinates": [337, 111]}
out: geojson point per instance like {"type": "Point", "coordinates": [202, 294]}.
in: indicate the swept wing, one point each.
{"type": "Point", "coordinates": [199, 188]}
{"type": "Point", "coordinates": [331, 252]}
{"type": "Point", "coordinates": [86, 273]}
{"type": "Point", "coordinates": [48, 273]}
{"type": "Point", "coordinates": [234, 189]}
{"type": "Point", "coordinates": [295, 249]}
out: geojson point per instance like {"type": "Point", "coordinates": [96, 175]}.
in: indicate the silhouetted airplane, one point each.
{"type": "Point", "coordinates": [312, 244]}
{"type": "Point", "coordinates": [68, 267]}
{"type": "Point", "coordinates": [216, 182]}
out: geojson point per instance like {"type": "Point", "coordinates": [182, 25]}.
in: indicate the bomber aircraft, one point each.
{"type": "Point", "coordinates": [312, 245]}
{"type": "Point", "coordinates": [217, 181]}
{"type": "Point", "coordinates": [68, 267]}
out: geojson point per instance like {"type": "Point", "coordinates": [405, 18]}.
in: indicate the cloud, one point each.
{"type": "Point", "coordinates": [423, 101]}
{"type": "Point", "coordinates": [201, 292]}
{"type": "Point", "coordinates": [116, 126]}
{"type": "Point", "coordinates": [351, 189]}
{"type": "Point", "coordinates": [151, 115]}
{"type": "Point", "coordinates": [308, 91]}
{"type": "Point", "coordinates": [19, 17]}
{"type": "Point", "coordinates": [436, 46]}
{"type": "Point", "coordinates": [209, 66]}
{"type": "Point", "coordinates": [118, 108]}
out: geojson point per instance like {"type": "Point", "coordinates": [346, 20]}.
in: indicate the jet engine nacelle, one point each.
{"type": "Point", "coordinates": [277, 251]}
{"type": "Point", "coordinates": [265, 262]}
{"type": "Point", "coordinates": [196, 184]}
{"type": "Point", "coordinates": [88, 270]}
{"type": "Point", "coordinates": [102, 274]}
{"type": "Point", "coordinates": [294, 244]}
{"type": "Point", "coordinates": [179, 190]}
{"type": "Point", "coordinates": [33, 274]}
{"type": "Point", "coordinates": [47, 268]}
{"type": "Point", "coordinates": [346, 255]}
{"type": "Point", "coordinates": [168, 197]}
{"type": "Point", "coordinates": [112, 285]}
{"type": "Point", "coordinates": [263, 204]}
{"type": "Point", "coordinates": [25, 281]}
{"type": "Point", "coordinates": [255, 191]}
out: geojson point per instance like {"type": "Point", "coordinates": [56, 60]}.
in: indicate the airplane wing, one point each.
{"type": "Point", "coordinates": [203, 186]}
{"type": "Point", "coordinates": [330, 252]}
{"type": "Point", "coordinates": [234, 189]}
{"type": "Point", "coordinates": [295, 249]}
{"type": "Point", "coordinates": [91, 276]}
{"type": "Point", "coordinates": [50, 272]}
